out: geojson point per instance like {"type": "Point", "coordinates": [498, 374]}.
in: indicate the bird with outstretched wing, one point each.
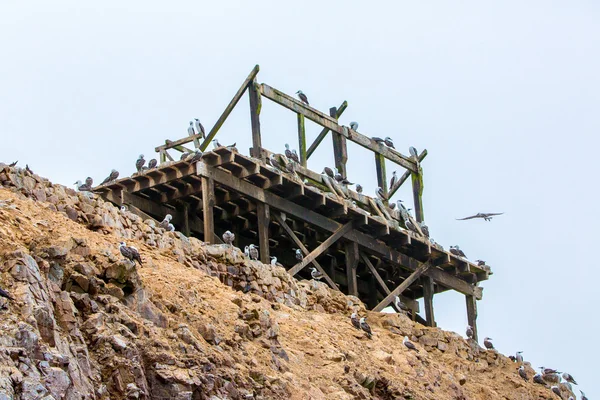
{"type": "Point", "coordinates": [485, 216]}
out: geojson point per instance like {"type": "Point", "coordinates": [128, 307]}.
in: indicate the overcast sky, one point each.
{"type": "Point", "coordinates": [504, 96]}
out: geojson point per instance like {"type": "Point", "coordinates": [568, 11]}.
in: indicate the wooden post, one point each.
{"type": "Point", "coordinates": [208, 202]}
{"type": "Point", "coordinates": [403, 286]}
{"type": "Point", "coordinates": [406, 175]}
{"type": "Point", "coordinates": [301, 140]}
{"type": "Point", "coordinates": [264, 219]}
{"type": "Point", "coordinates": [428, 299]}
{"type": "Point", "coordinates": [372, 299]}
{"type": "Point", "coordinates": [472, 314]}
{"type": "Point", "coordinates": [163, 157]}
{"type": "Point", "coordinates": [185, 215]}
{"type": "Point", "coordinates": [340, 150]}
{"type": "Point", "coordinates": [255, 106]}
{"type": "Point", "coordinates": [352, 255]}
{"type": "Point", "coordinates": [339, 111]}
{"type": "Point", "coordinates": [380, 169]}
{"type": "Point", "coordinates": [417, 185]}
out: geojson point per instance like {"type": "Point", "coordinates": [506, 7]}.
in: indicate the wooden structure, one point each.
{"type": "Point", "coordinates": [342, 233]}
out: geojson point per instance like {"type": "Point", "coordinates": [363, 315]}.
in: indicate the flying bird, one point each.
{"type": "Point", "coordinates": [130, 253]}
{"type": "Point", "coordinates": [523, 374]}
{"type": "Point", "coordinates": [83, 187]}
{"type": "Point", "coordinates": [400, 304]}
{"type": "Point", "coordinates": [410, 345]}
{"type": "Point", "coordinates": [228, 237]}
{"type": "Point", "coordinates": [457, 252]}
{"type": "Point", "coordinates": [199, 128]}
{"type": "Point", "coordinates": [354, 125]}
{"type": "Point", "coordinates": [299, 255]}
{"type": "Point", "coordinates": [316, 274]}
{"type": "Point", "coordinates": [302, 97]}
{"type": "Point", "coordinates": [253, 252]}
{"type": "Point", "coordinates": [355, 321]}
{"type": "Point", "coordinates": [389, 142]}
{"type": "Point", "coordinates": [470, 332]}
{"type": "Point", "coordinates": [4, 293]}
{"type": "Point", "coordinates": [412, 151]}
{"type": "Point", "coordinates": [165, 222]}
{"type": "Point", "coordinates": [569, 378]}
{"type": "Point", "coordinates": [519, 356]}
{"type": "Point", "coordinates": [114, 174]}
{"type": "Point", "coordinates": [152, 163]}
{"type": "Point", "coordinates": [365, 327]}
{"type": "Point", "coordinates": [191, 129]}
{"type": "Point", "coordinates": [359, 188]}
{"type": "Point", "coordinates": [485, 216]}
{"type": "Point", "coordinates": [487, 342]}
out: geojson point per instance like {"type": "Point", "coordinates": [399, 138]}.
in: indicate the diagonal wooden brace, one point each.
{"type": "Point", "coordinates": [403, 286]}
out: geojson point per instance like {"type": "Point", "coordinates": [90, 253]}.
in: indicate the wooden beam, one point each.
{"type": "Point", "coordinates": [417, 186]}
{"type": "Point", "coordinates": [352, 257]}
{"type": "Point", "coordinates": [339, 111]}
{"type": "Point", "coordinates": [428, 292]}
{"type": "Point", "coordinates": [304, 250]}
{"type": "Point", "coordinates": [185, 215]}
{"type": "Point", "coordinates": [403, 286]}
{"type": "Point", "coordinates": [255, 108]}
{"type": "Point", "coordinates": [405, 176]}
{"type": "Point", "coordinates": [302, 140]}
{"type": "Point", "coordinates": [208, 202]}
{"type": "Point", "coordinates": [321, 248]}
{"type": "Point", "coordinates": [381, 176]}
{"type": "Point", "coordinates": [264, 220]}
{"type": "Point", "coordinates": [340, 150]}
{"type": "Point", "coordinates": [472, 314]}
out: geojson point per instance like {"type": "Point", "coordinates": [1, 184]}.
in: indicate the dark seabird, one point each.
{"type": "Point", "coordinates": [519, 356]}
{"type": "Point", "coordinates": [548, 371]}
{"type": "Point", "coordinates": [28, 169]}
{"type": "Point", "coordinates": [365, 327]}
{"type": "Point", "coordinates": [389, 142]}
{"type": "Point", "coordinates": [537, 378]}
{"type": "Point", "coordinates": [295, 156]}
{"type": "Point", "coordinates": [165, 222]}
{"type": "Point", "coordinates": [329, 172]}
{"type": "Point", "coordinates": [480, 263]}
{"type": "Point", "coordinates": [355, 321]}
{"type": "Point", "coordinates": [315, 273]}
{"type": "Point", "coordinates": [485, 216]}
{"type": "Point", "coordinates": [275, 263]}
{"type": "Point", "coordinates": [288, 152]}
{"type": "Point", "coordinates": [569, 378]}
{"type": "Point", "coordinates": [410, 226]}
{"type": "Point", "coordinates": [400, 304]}
{"type": "Point", "coordinates": [583, 396]}
{"type": "Point", "coordinates": [139, 164]}
{"type": "Point", "coordinates": [130, 253]}
{"type": "Point", "coordinates": [197, 156]}
{"type": "Point", "coordinates": [184, 155]}
{"type": "Point", "coordinates": [114, 174]}
{"type": "Point", "coordinates": [409, 344]}
{"type": "Point", "coordinates": [354, 125]}
{"type": "Point", "coordinates": [392, 206]}
{"type": "Point", "coordinates": [523, 374]}
{"type": "Point", "coordinates": [380, 193]}
{"type": "Point", "coordinates": [359, 188]}
{"type": "Point", "coordinates": [228, 237]}
{"type": "Point", "coordinates": [393, 180]}
{"type": "Point", "coordinates": [199, 127]}
{"type": "Point", "coordinates": [412, 151]}
{"type": "Point", "coordinates": [556, 391]}
{"type": "Point", "coordinates": [512, 358]}
{"type": "Point", "coordinates": [487, 342]}
{"type": "Point", "coordinates": [424, 228]}
{"type": "Point", "coordinates": [299, 255]}
{"type": "Point", "coordinates": [253, 252]}
{"type": "Point", "coordinates": [302, 97]}
{"type": "Point", "coordinates": [191, 129]}
{"type": "Point", "coordinates": [457, 252]}
{"type": "Point", "coordinates": [83, 187]}
{"type": "Point", "coordinates": [378, 139]}
{"type": "Point", "coordinates": [470, 332]}
{"type": "Point", "coordinates": [4, 293]}
{"type": "Point", "coordinates": [12, 164]}
{"type": "Point", "coordinates": [89, 181]}
{"type": "Point", "coordinates": [152, 163]}
{"type": "Point", "coordinates": [274, 162]}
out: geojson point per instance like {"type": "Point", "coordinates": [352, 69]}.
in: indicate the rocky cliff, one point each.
{"type": "Point", "coordinates": [198, 321]}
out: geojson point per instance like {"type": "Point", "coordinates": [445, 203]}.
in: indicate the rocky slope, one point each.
{"type": "Point", "coordinates": [198, 321]}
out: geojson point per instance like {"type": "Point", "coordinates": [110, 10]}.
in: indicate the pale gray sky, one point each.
{"type": "Point", "coordinates": [504, 95]}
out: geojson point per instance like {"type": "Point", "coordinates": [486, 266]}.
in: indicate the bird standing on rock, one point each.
{"type": "Point", "coordinates": [165, 222]}
{"type": "Point", "coordinates": [89, 181]}
{"type": "Point", "coordinates": [302, 97]}
{"type": "Point", "coordinates": [83, 187]}
{"type": "Point", "coordinates": [253, 252]}
{"type": "Point", "coordinates": [139, 164]}
{"type": "Point", "coordinates": [410, 345]}
{"type": "Point", "coordinates": [355, 321]}
{"type": "Point", "coordinates": [275, 263]}
{"type": "Point", "coordinates": [519, 356]}
{"type": "Point", "coordinates": [171, 228]}
{"type": "Point", "coordinates": [470, 332]}
{"type": "Point", "coordinates": [359, 188]}
{"type": "Point", "coordinates": [316, 274]}
{"type": "Point", "coordinates": [523, 374]}
{"type": "Point", "coordinates": [569, 378]}
{"type": "Point", "coordinates": [400, 304]}
{"type": "Point", "coordinates": [228, 237]}
{"type": "Point", "coordinates": [556, 391]}
{"type": "Point", "coordinates": [130, 253]}
{"type": "Point", "coordinates": [537, 378]}
{"type": "Point", "coordinates": [487, 342]}
{"type": "Point", "coordinates": [365, 327]}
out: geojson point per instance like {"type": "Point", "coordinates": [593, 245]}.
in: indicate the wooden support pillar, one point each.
{"type": "Point", "coordinates": [302, 140]}
{"type": "Point", "coordinates": [163, 157]}
{"type": "Point", "coordinates": [472, 314]}
{"type": "Point", "coordinates": [332, 267]}
{"type": "Point", "coordinates": [417, 186]}
{"type": "Point", "coordinates": [185, 216]}
{"type": "Point", "coordinates": [208, 202]}
{"type": "Point", "coordinates": [403, 286]}
{"type": "Point", "coordinates": [372, 299]}
{"type": "Point", "coordinates": [352, 256]}
{"type": "Point", "coordinates": [428, 299]}
{"type": "Point", "coordinates": [380, 169]}
{"type": "Point", "coordinates": [255, 107]}
{"type": "Point", "coordinates": [340, 150]}
{"type": "Point", "coordinates": [264, 220]}
{"type": "Point", "coordinates": [338, 112]}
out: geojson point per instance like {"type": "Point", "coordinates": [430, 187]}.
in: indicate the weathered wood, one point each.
{"type": "Point", "coordinates": [340, 151]}
{"type": "Point", "coordinates": [428, 292]}
{"type": "Point", "coordinates": [321, 248]}
{"type": "Point", "coordinates": [301, 140]}
{"type": "Point", "coordinates": [339, 111]}
{"type": "Point", "coordinates": [405, 176]}
{"type": "Point", "coordinates": [472, 314]}
{"type": "Point", "coordinates": [381, 176]}
{"type": "Point", "coordinates": [264, 220]}
{"type": "Point", "coordinates": [180, 148]}
{"type": "Point", "coordinates": [417, 186]}
{"type": "Point", "coordinates": [403, 286]}
{"type": "Point", "coordinates": [352, 258]}
{"type": "Point", "coordinates": [208, 202]}
{"type": "Point", "coordinates": [185, 215]}
{"type": "Point", "coordinates": [304, 250]}
{"type": "Point", "coordinates": [255, 108]}
{"type": "Point", "coordinates": [163, 157]}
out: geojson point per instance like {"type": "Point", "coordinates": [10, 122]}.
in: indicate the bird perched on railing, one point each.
{"type": "Point", "coordinates": [302, 97]}
{"type": "Point", "coordinates": [485, 216]}
{"type": "Point", "coordinates": [165, 222]}
{"type": "Point", "coordinates": [341, 178]}
{"type": "Point", "coordinates": [365, 327]}
{"type": "Point", "coordinates": [139, 163]}
{"type": "Point", "coordinates": [228, 237]}
{"type": "Point", "coordinates": [114, 174]}
{"type": "Point", "coordinates": [354, 125]}
{"type": "Point", "coordinates": [329, 172]}
{"type": "Point", "coordinates": [378, 140]}
{"type": "Point", "coordinates": [253, 252]}
{"type": "Point", "coordinates": [152, 163]}
{"type": "Point", "coordinates": [355, 321]}
{"type": "Point", "coordinates": [83, 187]}
{"type": "Point", "coordinates": [359, 188]}
{"type": "Point", "coordinates": [389, 142]}
{"type": "Point", "coordinates": [480, 263]}
{"type": "Point", "coordinates": [130, 253]}
{"type": "Point", "coordinates": [288, 152]}
{"type": "Point", "coordinates": [185, 155]}
{"type": "Point", "coordinates": [231, 147]}
{"type": "Point", "coordinates": [411, 226]}
{"type": "Point", "coordinates": [199, 128]}
{"type": "Point", "coordinates": [393, 181]}
{"type": "Point", "coordinates": [457, 251]}
{"type": "Point", "coordinates": [316, 274]}
{"type": "Point", "coordinates": [487, 342]}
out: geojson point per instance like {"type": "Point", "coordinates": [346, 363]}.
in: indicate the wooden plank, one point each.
{"type": "Point", "coordinates": [417, 186]}
{"type": "Point", "coordinates": [264, 220]}
{"type": "Point", "coordinates": [185, 214]}
{"type": "Point", "coordinates": [352, 258]}
{"type": "Point", "coordinates": [208, 202]}
{"type": "Point", "coordinates": [472, 314]}
{"type": "Point", "coordinates": [340, 150]}
{"type": "Point", "coordinates": [405, 176]}
{"type": "Point", "coordinates": [255, 107]}
{"type": "Point", "coordinates": [428, 292]}
{"type": "Point", "coordinates": [304, 250]}
{"type": "Point", "coordinates": [381, 176]}
{"type": "Point", "coordinates": [339, 111]}
{"type": "Point", "coordinates": [301, 140]}
{"type": "Point", "coordinates": [403, 286]}
{"type": "Point", "coordinates": [321, 248]}
{"type": "Point", "coordinates": [369, 244]}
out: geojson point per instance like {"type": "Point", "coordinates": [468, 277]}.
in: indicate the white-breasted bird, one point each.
{"type": "Point", "coordinates": [139, 163]}
{"type": "Point", "coordinates": [355, 321]}
{"type": "Point", "coordinates": [487, 342]}
{"type": "Point", "coordinates": [354, 125]}
{"type": "Point", "coordinates": [253, 252]}
{"type": "Point", "coordinates": [299, 255]}
{"type": "Point", "coordinates": [410, 345]}
{"type": "Point", "coordinates": [519, 356]}
{"type": "Point", "coordinates": [393, 180]}
{"type": "Point", "coordinates": [315, 273]}
{"type": "Point", "coordinates": [556, 391]}
{"type": "Point", "coordinates": [569, 378]}
{"type": "Point", "coordinates": [400, 304]}
{"type": "Point", "coordinates": [365, 327]}
{"type": "Point", "coordinates": [523, 373]}
{"type": "Point", "coordinates": [190, 129]}
{"type": "Point", "coordinates": [274, 262]}
{"type": "Point", "coordinates": [470, 332]}
{"type": "Point", "coordinates": [165, 222]}
{"type": "Point", "coordinates": [130, 253]}
{"type": "Point", "coordinates": [302, 97]}
{"type": "Point", "coordinates": [199, 128]}
{"type": "Point", "coordinates": [114, 174]}
{"type": "Point", "coordinates": [389, 142]}
{"type": "Point", "coordinates": [228, 237]}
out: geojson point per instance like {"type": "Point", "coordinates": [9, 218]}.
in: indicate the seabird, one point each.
{"type": "Point", "coordinates": [196, 157]}
{"type": "Point", "coordinates": [457, 252]}
{"type": "Point", "coordinates": [354, 125]}
{"type": "Point", "coordinates": [329, 172]}
{"type": "Point", "coordinates": [165, 222]}
{"type": "Point", "coordinates": [512, 358]}
{"type": "Point", "coordinates": [274, 262]}
{"type": "Point", "coordinates": [412, 151]}
{"type": "Point", "coordinates": [171, 228]}
{"type": "Point", "coordinates": [409, 344]}
{"type": "Point", "coordinates": [355, 321]}
{"type": "Point", "coordinates": [337, 176]}
{"type": "Point", "coordinates": [295, 156]}
{"type": "Point", "coordinates": [89, 181]}
{"type": "Point", "coordinates": [216, 144]}
{"type": "Point", "coordinates": [302, 97]}
{"type": "Point", "coordinates": [480, 263]}
{"type": "Point", "coordinates": [537, 378]}
{"type": "Point", "coordinates": [378, 139]}
{"type": "Point", "coordinates": [567, 377]}
{"type": "Point", "coordinates": [83, 187]}
{"type": "Point", "coordinates": [288, 152]}
{"type": "Point", "coordinates": [583, 395]}
{"type": "Point", "coordinates": [152, 163]}
{"type": "Point", "coordinates": [380, 193]}
{"type": "Point", "coordinates": [246, 251]}
{"type": "Point", "coordinates": [228, 237]}
{"type": "Point", "coordinates": [548, 371]}
{"type": "Point", "coordinates": [139, 164]}
{"type": "Point", "coordinates": [556, 391]}
{"type": "Point", "coordinates": [114, 174]}
{"type": "Point", "coordinates": [392, 206]}
{"type": "Point", "coordinates": [359, 188]}
{"type": "Point", "coordinates": [485, 216]}
{"type": "Point", "coordinates": [424, 228]}
{"type": "Point", "coordinates": [28, 169]}
{"type": "Point", "coordinates": [365, 327]}
{"type": "Point", "coordinates": [389, 142]}
{"type": "Point", "coordinates": [393, 181]}
{"type": "Point", "coordinates": [400, 304]}
{"type": "Point", "coordinates": [316, 274]}
{"type": "Point", "coordinates": [123, 208]}
{"type": "Point", "coordinates": [470, 332]}
{"type": "Point", "coordinates": [199, 127]}
{"type": "Point", "coordinates": [519, 356]}
{"type": "Point", "coordinates": [253, 252]}
{"type": "Point", "coordinates": [487, 342]}
{"type": "Point", "coordinates": [274, 162]}
{"type": "Point", "coordinates": [299, 255]}
{"type": "Point", "coordinates": [12, 164]}
{"type": "Point", "coordinates": [410, 226]}
{"type": "Point", "coordinates": [4, 293]}
{"type": "Point", "coordinates": [523, 374]}
{"type": "Point", "coordinates": [130, 253]}
{"type": "Point", "coordinates": [191, 129]}
{"type": "Point", "coordinates": [184, 155]}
